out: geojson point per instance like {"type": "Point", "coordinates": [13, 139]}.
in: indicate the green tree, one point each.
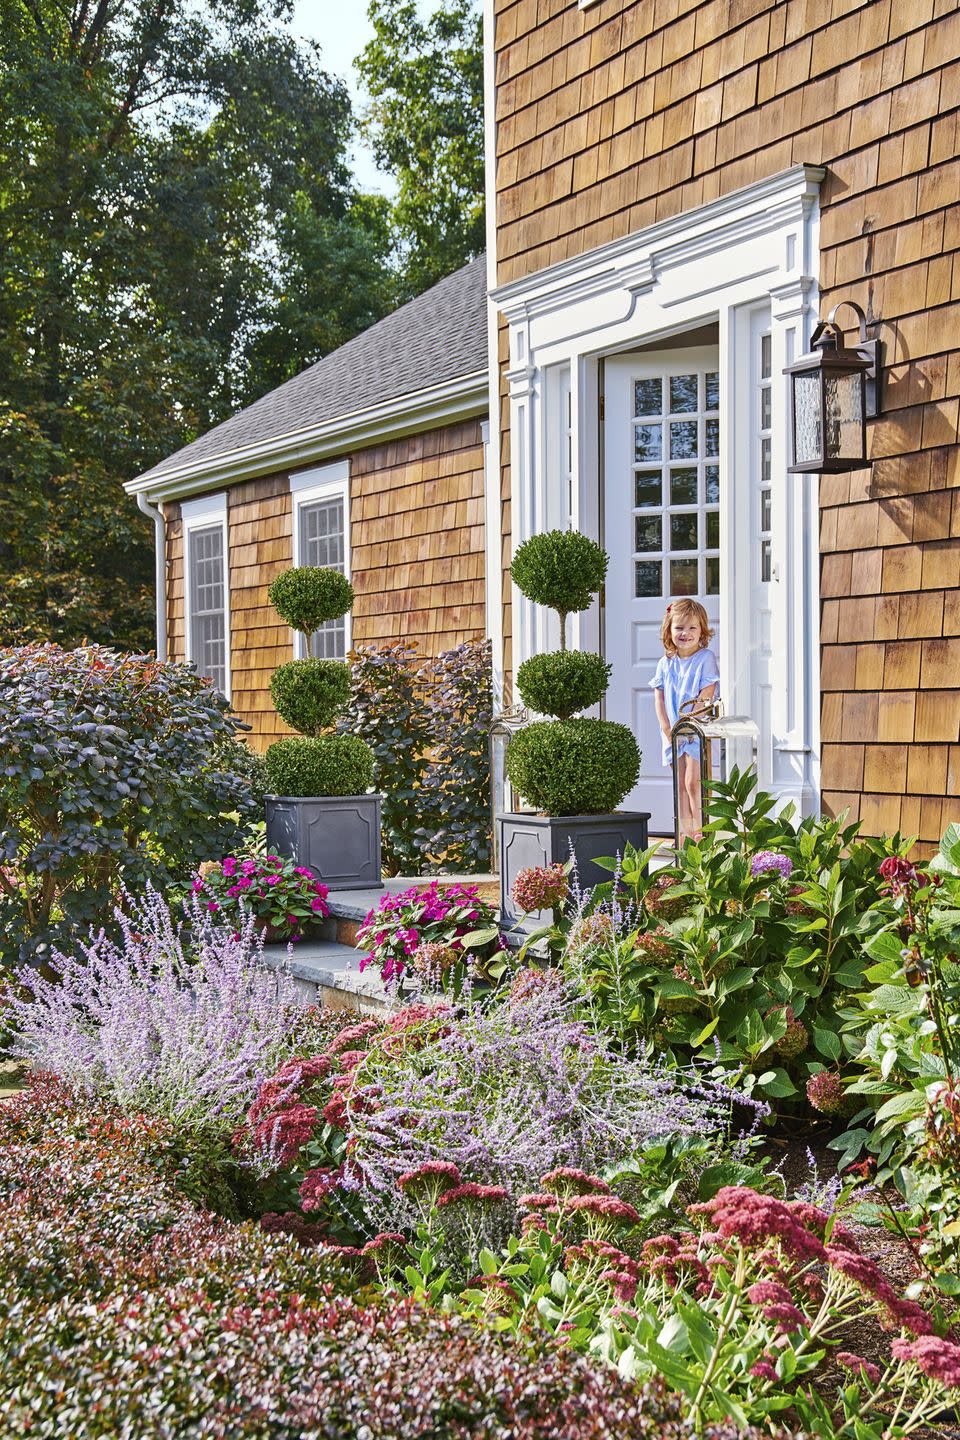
{"type": "Point", "coordinates": [178, 234]}
{"type": "Point", "coordinates": [425, 124]}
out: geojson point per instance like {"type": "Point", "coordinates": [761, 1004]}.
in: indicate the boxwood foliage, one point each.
{"type": "Point", "coordinates": [562, 683]}
{"type": "Point", "coordinates": [320, 765]}
{"type": "Point", "coordinates": [116, 769]}
{"type": "Point", "coordinates": [561, 569]}
{"type": "Point", "coordinates": [307, 596]}
{"type": "Point", "coordinates": [574, 767]}
{"type": "Point", "coordinates": [309, 694]}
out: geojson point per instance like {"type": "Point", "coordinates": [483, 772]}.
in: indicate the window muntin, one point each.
{"type": "Point", "coordinates": [208, 617]}
{"type": "Point", "coordinates": [676, 521]}
{"type": "Point", "coordinates": [322, 537]}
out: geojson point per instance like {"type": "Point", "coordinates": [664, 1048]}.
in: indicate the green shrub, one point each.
{"type": "Point", "coordinates": [574, 767]}
{"type": "Point", "coordinates": [320, 765]}
{"type": "Point", "coordinates": [117, 769]}
{"type": "Point", "coordinates": [563, 683]}
{"type": "Point", "coordinates": [307, 596]}
{"type": "Point", "coordinates": [309, 694]}
{"type": "Point", "coordinates": [561, 569]}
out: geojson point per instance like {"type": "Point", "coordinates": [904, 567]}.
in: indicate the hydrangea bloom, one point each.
{"type": "Point", "coordinates": [540, 887]}
{"type": "Point", "coordinates": [770, 862]}
{"type": "Point", "coordinates": [826, 1093]}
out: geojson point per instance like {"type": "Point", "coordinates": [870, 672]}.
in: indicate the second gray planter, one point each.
{"type": "Point", "coordinates": [529, 839]}
{"type": "Point", "coordinates": [336, 837]}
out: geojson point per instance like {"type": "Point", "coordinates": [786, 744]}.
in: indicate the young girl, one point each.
{"type": "Point", "coordinates": [686, 671]}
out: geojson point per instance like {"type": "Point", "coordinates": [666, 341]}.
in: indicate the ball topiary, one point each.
{"type": "Point", "coordinates": [320, 765]}
{"type": "Point", "coordinates": [561, 569]}
{"type": "Point", "coordinates": [573, 767]}
{"type": "Point", "coordinates": [308, 596]}
{"type": "Point", "coordinates": [309, 694]}
{"type": "Point", "coordinates": [562, 683]}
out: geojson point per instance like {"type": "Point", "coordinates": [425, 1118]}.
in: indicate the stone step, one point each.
{"type": "Point", "coordinates": [328, 974]}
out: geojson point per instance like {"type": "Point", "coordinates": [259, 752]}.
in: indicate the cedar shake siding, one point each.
{"type": "Point", "coordinates": [416, 533]}
{"type": "Point", "coordinates": [622, 114]}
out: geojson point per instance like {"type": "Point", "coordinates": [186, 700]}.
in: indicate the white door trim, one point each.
{"type": "Point", "coordinates": [709, 265]}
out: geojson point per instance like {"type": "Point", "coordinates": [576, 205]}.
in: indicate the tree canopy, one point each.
{"type": "Point", "coordinates": [425, 124]}
{"type": "Point", "coordinates": [178, 234]}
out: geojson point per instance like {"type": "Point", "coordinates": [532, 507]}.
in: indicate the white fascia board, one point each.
{"type": "Point", "coordinates": [637, 261]}
{"type": "Point", "coordinates": [458, 399]}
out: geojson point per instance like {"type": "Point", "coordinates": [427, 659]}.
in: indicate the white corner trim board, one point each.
{"type": "Point", "coordinates": [458, 399]}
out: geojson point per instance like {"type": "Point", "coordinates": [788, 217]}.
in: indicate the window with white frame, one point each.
{"type": "Point", "coordinates": [321, 536]}
{"type": "Point", "coordinates": [207, 588]}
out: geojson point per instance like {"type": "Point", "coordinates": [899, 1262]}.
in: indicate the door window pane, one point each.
{"type": "Point", "coordinates": [649, 532]}
{"type": "Point", "coordinates": [649, 580]}
{"type": "Point", "coordinates": [766, 566]}
{"type": "Point", "coordinates": [683, 394]}
{"type": "Point", "coordinates": [683, 439]}
{"type": "Point", "coordinates": [712, 477]}
{"type": "Point", "coordinates": [766, 357]}
{"type": "Point", "coordinates": [713, 437]}
{"type": "Point", "coordinates": [683, 532]}
{"type": "Point", "coordinates": [649, 487]}
{"type": "Point", "coordinates": [713, 575]}
{"type": "Point", "coordinates": [323, 543]}
{"type": "Point", "coordinates": [713, 391]}
{"type": "Point", "coordinates": [713, 529]}
{"type": "Point", "coordinates": [648, 442]}
{"type": "Point", "coordinates": [648, 397]}
{"type": "Point", "coordinates": [683, 577]}
{"type": "Point", "coordinates": [683, 487]}
{"type": "Point", "coordinates": [208, 620]}
{"type": "Point", "coordinates": [764, 509]}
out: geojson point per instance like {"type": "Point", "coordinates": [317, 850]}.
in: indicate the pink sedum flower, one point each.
{"type": "Point", "coordinates": [857, 1365]}
{"type": "Point", "coordinates": [936, 1358]}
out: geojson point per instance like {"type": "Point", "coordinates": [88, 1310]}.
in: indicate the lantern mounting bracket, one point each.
{"type": "Point", "coordinates": [870, 350]}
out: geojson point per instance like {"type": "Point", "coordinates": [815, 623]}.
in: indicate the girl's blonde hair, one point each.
{"type": "Point", "coordinates": [685, 609]}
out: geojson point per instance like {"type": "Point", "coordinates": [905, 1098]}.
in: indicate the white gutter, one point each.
{"type": "Point", "coordinates": [160, 545]}
{"type": "Point", "coordinates": [458, 399]}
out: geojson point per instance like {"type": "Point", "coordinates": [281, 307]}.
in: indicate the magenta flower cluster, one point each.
{"type": "Point", "coordinates": [280, 895]}
{"type": "Point", "coordinates": [414, 921]}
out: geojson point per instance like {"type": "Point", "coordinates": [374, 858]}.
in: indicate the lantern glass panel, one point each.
{"type": "Point", "coordinates": [843, 394]}
{"type": "Point", "coordinates": [807, 418]}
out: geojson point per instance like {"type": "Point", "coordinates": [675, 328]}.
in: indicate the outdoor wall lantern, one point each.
{"type": "Point", "coordinates": [833, 392]}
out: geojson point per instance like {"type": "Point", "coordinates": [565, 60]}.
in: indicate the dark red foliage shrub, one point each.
{"type": "Point", "coordinates": [128, 1311]}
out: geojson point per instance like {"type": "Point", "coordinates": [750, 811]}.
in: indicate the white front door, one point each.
{"type": "Point", "coordinates": [661, 527]}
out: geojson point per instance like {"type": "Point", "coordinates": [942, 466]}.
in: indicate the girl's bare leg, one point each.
{"type": "Point", "coordinates": [683, 799]}
{"type": "Point", "coordinates": [694, 806]}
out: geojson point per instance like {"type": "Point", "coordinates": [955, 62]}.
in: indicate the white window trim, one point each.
{"type": "Point", "coordinates": [708, 265]}
{"type": "Point", "coordinates": [202, 514]}
{"type": "Point", "coordinates": [325, 482]}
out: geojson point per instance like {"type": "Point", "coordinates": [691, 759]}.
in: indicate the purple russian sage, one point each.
{"type": "Point", "coordinates": [180, 1016]}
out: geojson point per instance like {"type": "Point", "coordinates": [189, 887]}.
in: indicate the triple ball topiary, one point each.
{"type": "Point", "coordinates": [309, 695]}
{"type": "Point", "coordinates": [567, 766]}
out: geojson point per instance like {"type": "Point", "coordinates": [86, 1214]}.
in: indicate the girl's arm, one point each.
{"type": "Point", "coordinates": [662, 718]}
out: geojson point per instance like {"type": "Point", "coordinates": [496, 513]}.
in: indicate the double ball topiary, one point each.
{"type": "Point", "coordinates": [563, 683]}
{"type": "Point", "coordinates": [309, 694]}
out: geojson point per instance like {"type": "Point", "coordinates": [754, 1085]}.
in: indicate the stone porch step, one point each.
{"type": "Point", "coordinates": [328, 973]}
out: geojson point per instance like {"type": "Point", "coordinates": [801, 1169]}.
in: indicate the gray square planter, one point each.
{"type": "Point", "coordinates": [529, 839]}
{"type": "Point", "coordinates": [337, 837]}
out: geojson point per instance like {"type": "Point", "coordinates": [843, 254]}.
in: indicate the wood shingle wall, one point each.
{"type": "Point", "coordinates": [617, 116]}
{"type": "Point", "coordinates": [417, 542]}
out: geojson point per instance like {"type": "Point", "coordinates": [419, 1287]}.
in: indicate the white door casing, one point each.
{"type": "Point", "coordinates": [753, 252]}
{"type": "Point", "coordinates": [662, 532]}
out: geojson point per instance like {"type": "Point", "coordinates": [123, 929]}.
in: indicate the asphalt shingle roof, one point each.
{"type": "Point", "coordinates": [439, 336]}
